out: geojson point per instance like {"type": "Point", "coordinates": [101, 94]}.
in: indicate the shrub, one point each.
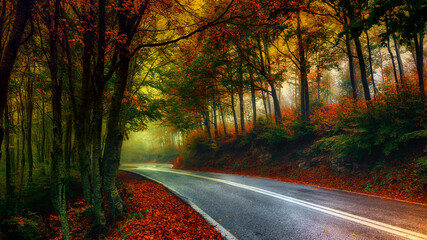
{"type": "Point", "coordinates": [30, 226]}
{"type": "Point", "coordinates": [178, 162]}
{"type": "Point", "coordinates": [199, 148]}
{"type": "Point", "coordinates": [391, 121]}
{"type": "Point", "coordinates": [265, 132]}
{"type": "Point", "coordinates": [325, 118]}
{"type": "Point", "coordinates": [421, 169]}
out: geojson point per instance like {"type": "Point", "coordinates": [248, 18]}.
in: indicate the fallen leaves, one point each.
{"type": "Point", "coordinates": [323, 176]}
{"type": "Point", "coordinates": [164, 216]}
{"type": "Point", "coordinates": [152, 213]}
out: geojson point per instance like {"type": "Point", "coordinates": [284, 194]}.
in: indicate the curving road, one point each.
{"type": "Point", "coordinates": [255, 208]}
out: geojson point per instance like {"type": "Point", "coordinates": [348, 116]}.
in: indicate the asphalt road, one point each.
{"type": "Point", "coordinates": [255, 208]}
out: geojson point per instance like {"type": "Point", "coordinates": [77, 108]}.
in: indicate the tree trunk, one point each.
{"type": "Point", "coordinates": [236, 127]}
{"type": "Point", "coordinates": [392, 61]}
{"type": "Point", "coordinates": [110, 160]}
{"type": "Point", "coordinates": [267, 98]}
{"type": "Point", "coordinates": [362, 66]}
{"type": "Point", "coordinates": [419, 52]}
{"type": "Point", "coordinates": [23, 160]}
{"type": "Point", "coordinates": [99, 222]}
{"type": "Point", "coordinates": [43, 140]}
{"type": "Point", "coordinates": [351, 66]}
{"type": "Point", "coordinates": [370, 63]}
{"type": "Point", "coordinates": [318, 78]}
{"type": "Point", "coordinates": [215, 123]}
{"type": "Point", "coordinates": [276, 105]}
{"type": "Point", "coordinates": [8, 57]}
{"type": "Point", "coordinates": [242, 109]}
{"type": "Point", "coordinates": [207, 123]}
{"type": "Point", "coordinates": [57, 166]}
{"type": "Point", "coordinates": [265, 105]}
{"type": "Point", "coordinates": [223, 119]}
{"type": "Point", "coordinates": [381, 64]}
{"type": "Point", "coordinates": [83, 146]}
{"type": "Point", "coordinates": [9, 184]}
{"type": "Point", "coordinates": [399, 61]}
{"type": "Point", "coordinates": [305, 108]}
{"type": "Point", "coordinates": [18, 148]}
{"type": "Point", "coordinates": [254, 117]}
{"type": "Point", "coordinates": [29, 124]}
{"type": "Point", "coordinates": [68, 141]}
{"type": "Point", "coordinates": [98, 213]}
{"type": "Point", "coordinates": [414, 56]}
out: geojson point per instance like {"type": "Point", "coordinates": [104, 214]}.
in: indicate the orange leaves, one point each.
{"type": "Point", "coordinates": [397, 182]}
{"type": "Point", "coordinates": [325, 118]}
{"type": "Point", "coordinates": [178, 162]}
{"type": "Point", "coordinates": [154, 213]}
{"type": "Point", "coordinates": [77, 220]}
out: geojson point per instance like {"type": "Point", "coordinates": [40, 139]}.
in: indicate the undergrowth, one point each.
{"type": "Point", "coordinates": [25, 216]}
{"type": "Point", "coordinates": [384, 141]}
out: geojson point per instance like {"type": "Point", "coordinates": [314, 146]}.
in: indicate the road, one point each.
{"type": "Point", "coordinates": [256, 208]}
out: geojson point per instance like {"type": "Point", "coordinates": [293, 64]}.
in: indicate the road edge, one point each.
{"type": "Point", "coordinates": [224, 233]}
{"type": "Point", "coordinates": [312, 185]}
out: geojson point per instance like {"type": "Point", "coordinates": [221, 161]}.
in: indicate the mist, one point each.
{"type": "Point", "coordinates": [156, 144]}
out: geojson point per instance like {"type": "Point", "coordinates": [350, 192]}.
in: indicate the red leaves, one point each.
{"type": "Point", "coordinates": [385, 182]}
{"type": "Point", "coordinates": [77, 220]}
{"type": "Point", "coordinates": [325, 118]}
{"type": "Point", "coordinates": [154, 213]}
{"type": "Point", "coordinates": [178, 162]}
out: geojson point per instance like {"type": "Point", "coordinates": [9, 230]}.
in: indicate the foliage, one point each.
{"type": "Point", "coordinates": [178, 162]}
{"type": "Point", "coordinates": [421, 169]}
{"type": "Point", "coordinates": [151, 208]}
{"type": "Point", "coordinates": [141, 109]}
{"type": "Point", "coordinates": [29, 227]}
{"type": "Point", "coordinates": [324, 118]}
{"type": "Point", "coordinates": [77, 217]}
{"type": "Point", "coordinates": [26, 217]}
{"type": "Point", "coordinates": [265, 133]}
{"type": "Point", "coordinates": [392, 121]}
{"type": "Point", "coordinates": [199, 149]}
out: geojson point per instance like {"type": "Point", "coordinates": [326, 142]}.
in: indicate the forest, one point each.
{"type": "Point", "coordinates": [290, 88]}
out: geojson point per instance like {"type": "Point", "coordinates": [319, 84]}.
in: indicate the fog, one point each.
{"type": "Point", "coordinates": [152, 145]}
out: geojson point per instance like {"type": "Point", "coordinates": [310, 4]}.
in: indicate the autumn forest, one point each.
{"type": "Point", "coordinates": [321, 92]}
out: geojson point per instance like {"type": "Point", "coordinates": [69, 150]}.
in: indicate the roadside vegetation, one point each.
{"type": "Point", "coordinates": [318, 90]}
{"type": "Point", "coordinates": [150, 208]}
{"type": "Point", "coordinates": [378, 148]}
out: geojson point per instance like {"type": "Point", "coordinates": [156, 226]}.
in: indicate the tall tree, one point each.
{"type": "Point", "coordinates": [8, 57]}
{"type": "Point", "coordinates": [406, 18]}
{"type": "Point", "coordinates": [57, 165]}
{"type": "Point", "coordinates": [354, 10]}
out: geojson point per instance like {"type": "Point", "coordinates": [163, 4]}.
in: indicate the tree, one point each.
{"type": "Point", "coordinates": [8, 57]}
{"type": "Point", "coordinates": [57, 166]}
{"type": "Point", "coordinates": [354, 10]}
{"type": "Point", "coordinates": [405, 18]}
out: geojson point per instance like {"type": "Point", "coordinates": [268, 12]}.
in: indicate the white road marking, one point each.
{"type": "Point", "coordinates": [224, 233]}
{"type": "Point", "coordinates": [337, 213]}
